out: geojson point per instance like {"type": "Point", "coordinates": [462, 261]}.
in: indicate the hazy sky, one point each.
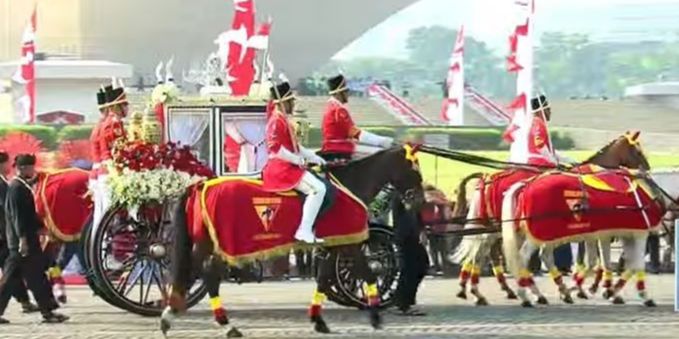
{"type": "Point", "coordinates": [491, 21]}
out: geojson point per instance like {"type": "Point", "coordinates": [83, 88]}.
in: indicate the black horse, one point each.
{"type": "Point", "coordinates": [364, 178]}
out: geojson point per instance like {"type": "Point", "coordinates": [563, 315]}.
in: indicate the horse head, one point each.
{"type": "Point", "coordinates": [624, 151]}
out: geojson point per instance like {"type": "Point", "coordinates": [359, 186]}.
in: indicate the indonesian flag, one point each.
{"type": "Point", "coordinates": [520, 61]}
{"type": "Point", "coordinates": [240, 45]}
{"type": "Point", "coordinates": [453, 106]}
{"type": "Point", "coordinates": [25, 74]}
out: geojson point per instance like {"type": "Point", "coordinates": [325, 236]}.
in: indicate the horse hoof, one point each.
{"type": "Point", "coordinates": [618, 301]}
{"type": "Point", "coordinates": [482, 302]}
{"type": "Point", "coordinates": [582, 295]}
{"type": "Point", "coordinates": [62, 299]}
{"type": "Point", "coordinates": [607, 294]}
{"type": "Point", "coordinates": [511, 295]}
{"type": "Point", "coordinates": [542, 300]}
{"type": "Point", "coordinates": [375, 320]}
{"type": "Point", "coordinates": [462, 295]}
{"type": "Point", "coordinates": [526, 304]}
{"type": "Point", "coordinates": [650, 303]}
{"type": "Point", "coordinates": [593, 290]}
{"type": "Point", "coordinates": [568, 299]}
{"type": "Point", "coordinates": [321, 327]}
{"type": "Point", "coordinates": [234, 333]}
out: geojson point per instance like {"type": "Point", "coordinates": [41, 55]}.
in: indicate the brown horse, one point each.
{"type": "Point", "coordinates": [364, 178]}
{"type": "Point", "coordinates": [475, 250]}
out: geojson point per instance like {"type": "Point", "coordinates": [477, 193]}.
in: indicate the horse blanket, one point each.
{"type": "Point", "coordinates": [247, 223]}
{"type": "Point", "coordinates": [493, 187]}
{"type": "Point", "coordinates": [63, 203]}
{"type": "Point", "coordinates": [561, 207]}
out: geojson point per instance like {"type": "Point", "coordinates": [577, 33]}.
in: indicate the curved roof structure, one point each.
{"type": "Point", "coordinates": [305, 34]}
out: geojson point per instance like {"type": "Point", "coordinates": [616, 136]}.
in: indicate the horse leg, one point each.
{"type": "Point", "coordinates": [605, 252]}
{"type": "Point", "coordinates": [638, 265]}
{"type": "Point", "coordinates": [212, 276]}
{"type": "Point", "coordinates": [499, 270]}
{"type": "Point", "coordinates": [475, 278]}
{"type": "Point", "coordinates": [324, 278]}
{"type": "Point", "coordinates": [363, 271]}
{"type": "Point", "coordinates": [526, 281]}
{"type": "Point", "coordinates": [465, 273]}
{"type": "Point", "coordinates": [628, 250]}
{"type": "Point", "coordinates": [547, 256]}
{"type": "Point", "coordinates": [56, 251]}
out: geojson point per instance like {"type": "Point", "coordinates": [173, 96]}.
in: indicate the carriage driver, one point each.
{"type": "Point", "coordinates": [286, 167]}
{"type": "Point", "coordinates": [340, 135]}
{"type": "Point", "coordinates": [541, 152]}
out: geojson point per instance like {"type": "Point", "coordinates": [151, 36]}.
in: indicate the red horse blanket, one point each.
{"type": "Point", "coordinates": [556, 208]}
{"type": "Point", "coordinates": [249, 223]}
{"type": "Point", "coordinates": [62, 202]}
{"type": "Point", "coordinates": [494, 186]}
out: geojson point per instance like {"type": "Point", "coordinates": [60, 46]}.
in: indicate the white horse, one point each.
{"type": "Point", "coordinates": [518, 249]}
{"type": "Point", "coordinates": [668, 181]}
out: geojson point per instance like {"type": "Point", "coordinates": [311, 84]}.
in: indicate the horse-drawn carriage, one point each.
{"type": "Point", "coordinates": [128, 255]}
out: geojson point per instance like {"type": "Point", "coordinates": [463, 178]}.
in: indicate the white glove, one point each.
{"type": "Point", "coordinates": [372, 139]}
{"type": "Point", "coordinates": [311, 156]}
{"type": "Point", "coordinates": [285, 154]}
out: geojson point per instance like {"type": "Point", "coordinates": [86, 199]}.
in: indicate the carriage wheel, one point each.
{"type": "Point", "coordinates": [131, 261]}
{"type": "Point", "coordinates": [86, 248]}
{"type": "Point", "coordinates": [382, 256]}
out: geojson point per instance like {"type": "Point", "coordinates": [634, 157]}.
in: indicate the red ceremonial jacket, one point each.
{"type": "Point", "coordinates": [94, 148]}
{"type": "Point", "coordinates": [540, 151]}
{"type": "Point", "coordinates": [339, 131]}
{"type": "Point", "coordinates": [278, 174]}
{"type": "Point", "coordinates": [110, 131]}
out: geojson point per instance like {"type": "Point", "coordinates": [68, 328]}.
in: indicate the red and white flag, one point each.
{"type": "Point", "coordinates": [25, 73]}
{"type": "Point", "coordinates": [520, 61]}
{"type": "Point", "coordinates": [453, 106]}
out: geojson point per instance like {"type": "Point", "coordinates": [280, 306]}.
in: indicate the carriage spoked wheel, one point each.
{"type": "Point", "coordinates": [94, 284]}
{"type": "Point", "coordinates": [131, 260]}
{"type": "Point", "coordinates": [382, 255]}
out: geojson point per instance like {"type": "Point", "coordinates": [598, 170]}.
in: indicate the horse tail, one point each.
{"type": "Point", "coordinates": [470, 245]}
{"type": "Point", "coordinates": [510, 237]}
{"type": "Point", "coordinates": [181, 256]}
{"type": "Point", "coordinates": [461, 201]}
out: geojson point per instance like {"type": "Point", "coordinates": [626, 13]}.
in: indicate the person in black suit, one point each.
{"type": "Point", "coordinates": [414, 259]}
{"type": "Point", "coordinates": [26, 260]}
{"type": "Point", "coordinates": [21, 293]}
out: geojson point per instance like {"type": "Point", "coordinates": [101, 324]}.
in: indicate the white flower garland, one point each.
{"type": "Point", "coordinates": [132, 189]}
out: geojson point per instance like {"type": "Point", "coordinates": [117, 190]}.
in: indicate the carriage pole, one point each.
{"type": "Point", "coordinates": [676, 265]}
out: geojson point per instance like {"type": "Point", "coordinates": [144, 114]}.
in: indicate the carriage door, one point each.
{"type": "Point", "coordinates": [242, 131]}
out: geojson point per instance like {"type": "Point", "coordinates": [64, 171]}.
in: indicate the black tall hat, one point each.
{"type": "Point", "coordinates": [539, 102]}
{"type": "Point", "coordinates": [115, 96]}
{"type": "Point", "coordinates": [101, 98]}
{"type": "Point", "coordinates": [24, 160]}
{"type": "Point", "coordinates": [281, 92]}
{"type": "Point", "coordinates": [337, 84]}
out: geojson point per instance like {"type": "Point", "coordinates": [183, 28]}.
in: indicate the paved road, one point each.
{"type": "Point", "coordinates": [277, 310]}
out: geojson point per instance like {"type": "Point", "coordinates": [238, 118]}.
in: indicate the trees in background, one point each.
{"type": "Point", "coordinates": [567, 65]}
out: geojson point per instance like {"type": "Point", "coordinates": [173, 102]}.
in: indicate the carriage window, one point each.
{"type": "Point", "coordinates": [244, 144]}
{"type": "Point", "coordinates": [191, 128]}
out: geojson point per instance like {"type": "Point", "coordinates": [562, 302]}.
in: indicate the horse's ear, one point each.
{"type": "Point", "coordinates": [635, 135]}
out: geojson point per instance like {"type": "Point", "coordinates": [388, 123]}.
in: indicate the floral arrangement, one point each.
{"type": "Point", "coordinates": [144, 172]}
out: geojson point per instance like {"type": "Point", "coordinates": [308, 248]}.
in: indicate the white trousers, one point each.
{"type": "Point", "coordinates": [101, 200]}
{"type": "Point", "coordinates": [314, 189]}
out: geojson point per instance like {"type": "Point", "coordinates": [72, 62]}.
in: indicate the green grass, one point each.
{"type": "Point", "coordinates": [446, 174]}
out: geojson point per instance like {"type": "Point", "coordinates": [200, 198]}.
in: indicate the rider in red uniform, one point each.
{"type": "Point", "coordinates": [340, 134]}
{"type": "Point", "coordinates": [94, 137]}
{"type": "Point", "coordinates": [540, 149]}
{"type": "Point", "coordinates": [286, 167]}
